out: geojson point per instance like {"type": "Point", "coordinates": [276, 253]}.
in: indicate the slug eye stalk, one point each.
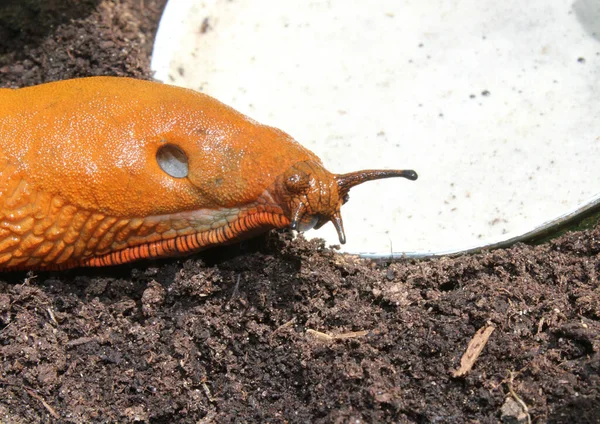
{"type": "Point", "coordinates": [347, 181]}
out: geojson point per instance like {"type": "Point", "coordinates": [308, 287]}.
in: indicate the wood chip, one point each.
{"type": "Point", "coordinates": [281, 327]}
{"type": "Point", "coordinates": [475, 347]}
{"type": "Point", "coordinates": [81, 340]}
{"type": "Point", "coordinates": [351, 335]}
{"type": "Point", "coordinates": [50, 409]}
{"type": "Point", "coordinates": [328, 337]}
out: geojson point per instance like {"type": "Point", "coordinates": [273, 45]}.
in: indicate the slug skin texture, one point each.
{"type": "Point", "coordinates": [106, 170]}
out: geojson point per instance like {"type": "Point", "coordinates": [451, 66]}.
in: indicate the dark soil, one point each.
{"type": "Point", "coordinates": [243, 334]}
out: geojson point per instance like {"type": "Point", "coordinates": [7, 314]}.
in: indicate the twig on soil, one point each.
{"type": "Point", "coordinates": [510, 294]}
{"type": "Point", "coordinates": [5, 327]}
{"type": "Point", "coordinates": [207, 392]}
{"type": "Point", "coordinates": [34, 395]}
{"type": "Point", "coordinates": [48, 407]}
{"type": "Point", "coordinates": [329, 337]}
{"type": "Point", "coordinates": [517, 398]}
{"type": "Point", "coordinates": [473, 351]}
{"type": "Point", "coordinates": [505, 290]}
{"type": "Point", "coordinates": [505, 380]}
{"type": "Point", "coordinates": [81, 341]}
{"type": "Point", "coordinates": [52, 317]}
{"type": "Point", "coordinates": [282, 326]}
{"type": "Point", "coordinates": [445, 321]}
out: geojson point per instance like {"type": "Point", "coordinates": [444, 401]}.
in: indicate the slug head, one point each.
{"type": "Point", "coordinates": [313, 196]}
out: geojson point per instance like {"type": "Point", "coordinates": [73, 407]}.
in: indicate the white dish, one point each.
{"type": "Point", "coordinates": [495, 104]}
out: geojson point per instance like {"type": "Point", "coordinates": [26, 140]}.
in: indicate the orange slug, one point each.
{"type": "Point", "coordinates": [106, 170]}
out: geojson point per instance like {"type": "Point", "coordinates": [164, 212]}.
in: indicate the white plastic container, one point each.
{"type": "Point", "coordinates": [495, 104]}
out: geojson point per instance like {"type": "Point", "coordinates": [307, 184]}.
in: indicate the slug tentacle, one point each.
{"type": "Point", "coordinates": [313, 196]}
{"type": "Point", "coordinates": [297, 216]}
{"type": "Point", "coordinates": [347, 181]}
{"type": "Point", "coordinates": [336, 219]}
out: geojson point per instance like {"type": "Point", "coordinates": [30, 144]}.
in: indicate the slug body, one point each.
{"type": "Point", "coordinates": [106, 170]}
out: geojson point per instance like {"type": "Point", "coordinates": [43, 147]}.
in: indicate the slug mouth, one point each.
{"type": "Point", "coordinates": [315, 196]}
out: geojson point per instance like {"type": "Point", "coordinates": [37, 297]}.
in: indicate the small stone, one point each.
{"type": "Point", "coordinates": [512, 412]}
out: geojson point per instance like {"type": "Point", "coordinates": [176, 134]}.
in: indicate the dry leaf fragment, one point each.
{"type": "Point", "coordinates": [475, 347]}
